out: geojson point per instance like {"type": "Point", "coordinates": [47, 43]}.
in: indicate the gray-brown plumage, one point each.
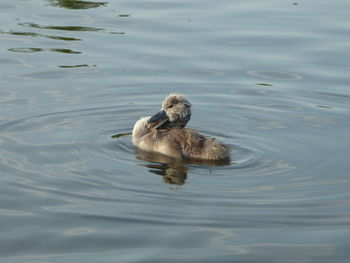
{"type": "Point", "coordinates": [165, 133]}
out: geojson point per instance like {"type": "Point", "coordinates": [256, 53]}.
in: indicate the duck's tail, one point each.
{"type": "Point", "coordinates": [213, 150]}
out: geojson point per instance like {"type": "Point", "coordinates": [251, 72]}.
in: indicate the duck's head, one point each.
{"type": "Point", "coordinates": [175, 113]}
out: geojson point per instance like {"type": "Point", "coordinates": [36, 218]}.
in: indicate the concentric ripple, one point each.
{"type": "Point", "coordinates": [268, 78]}
{"type": "Point", "coordinates": [84, 164]}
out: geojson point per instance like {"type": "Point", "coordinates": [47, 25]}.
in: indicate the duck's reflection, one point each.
{"type": "Point", "coordinates": [76, 4]}
{"type": "Point", "coordinates": [173, 171]}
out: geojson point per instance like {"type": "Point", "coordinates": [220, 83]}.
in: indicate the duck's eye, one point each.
{"type": "Point", "coordinates": [170, 106]}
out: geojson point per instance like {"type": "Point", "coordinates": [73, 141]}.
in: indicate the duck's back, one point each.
{"type": "Point", "coordinates": [191, 144]}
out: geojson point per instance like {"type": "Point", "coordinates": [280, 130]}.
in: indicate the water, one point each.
{"type": "Point", "coordinates": [269, 78]}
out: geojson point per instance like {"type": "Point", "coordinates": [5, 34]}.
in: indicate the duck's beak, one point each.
{"type": "Point", "coordinates": [160, 117]}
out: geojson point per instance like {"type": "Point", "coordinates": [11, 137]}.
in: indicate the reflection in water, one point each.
{"type": "Point", "coordinates": [74, 66]}
{"type": "Point", "coordinates": [264, 84]}
{"type": "Point", "coordinates": [70, 28]}
{"type": "Point", "coordinates": [172, 174]}
{"type": "Point", "coordinates": [75, 4]}
{"type": "Point", "coordinates": [65, 28]}
{"type": "Point", "coordinates": [33, 50]}
{"type": "Point", "coordinates": [173, 171]}
{"type": "Point", "coordinates": [30, 34]}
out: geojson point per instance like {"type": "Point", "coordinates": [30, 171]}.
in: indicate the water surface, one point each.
{"type": "Point", "coordinates": [271, 79]}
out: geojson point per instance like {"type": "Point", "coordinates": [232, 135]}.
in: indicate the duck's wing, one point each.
{"type": "Point", "coordinates": [190, 142]}
{"type": "Point", "coordinates": [197, 146]}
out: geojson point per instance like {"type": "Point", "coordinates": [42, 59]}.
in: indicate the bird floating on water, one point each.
{"type": "Point", "coordinates": [165, 133]}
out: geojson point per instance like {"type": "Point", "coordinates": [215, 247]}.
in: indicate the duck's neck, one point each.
{"type": "Point", "coordinates": [183, 122]}
{"type": "Point", "coordinates": [140, 128]}
{"type": "Point", "coordinates": [180, 123]}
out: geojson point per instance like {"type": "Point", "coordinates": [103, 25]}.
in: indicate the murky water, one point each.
{"type": "Point", "coordinates": [269, 78]}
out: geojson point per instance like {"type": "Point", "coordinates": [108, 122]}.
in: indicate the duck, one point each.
{"type": "Point", "coordinates": [165, 133]}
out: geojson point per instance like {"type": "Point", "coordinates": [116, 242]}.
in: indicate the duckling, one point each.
{"type": "Point", "coordinates": [165, 133]}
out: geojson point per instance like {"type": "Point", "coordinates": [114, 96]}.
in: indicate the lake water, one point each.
{"type": "Point", "coordinates": [270, 78]}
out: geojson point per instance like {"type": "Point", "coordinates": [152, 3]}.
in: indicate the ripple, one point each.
{"type": "Point", "coordinates": [252, 156]}
{"type": "Point", "coordinates": [92, 147]}
{"type": "Point", "coordinates": [70, 192]}
{"type": "Point", "coordinates": [15, 61]}
{"type": "Point", "coordinates": [246, 160]}
{"type": "Point", "coordinates": [276, 75]}
{"type": "Point", "coordinates": [79, 169]}
{"type": "Point", "coordinates": [56, 74]}
{"type": "Point", "coordinates": [62, 15]}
